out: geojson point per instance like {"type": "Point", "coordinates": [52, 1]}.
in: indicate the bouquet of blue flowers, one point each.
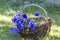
{"type": "Point", "coordinates": [27, 27]}
{"type": "Point", "coordinates": [21, 21]}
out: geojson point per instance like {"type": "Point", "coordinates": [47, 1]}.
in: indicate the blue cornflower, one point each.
{"type": "Point", "coordinates": [37, 14]}
{"type": "Point", "coordinates": [15, 20]}
{"type": "Point", "coordinates": [32, 25]}
{"type": "Point", "coordinates": [17, 14]}
{"type": "Point", "coordinates": [14, 30]}
{"type": "Point", "coordinates": [28, 21]}
{"type": "Point", "coordinates": [18, 20]}
{"type": "Point", "coordinates": [24, 16]}
{"type": "Point", "coordinates": [20, 26]}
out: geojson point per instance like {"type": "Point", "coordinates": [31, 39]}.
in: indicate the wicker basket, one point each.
{"type": "Point", "coordinates": [41, 29]}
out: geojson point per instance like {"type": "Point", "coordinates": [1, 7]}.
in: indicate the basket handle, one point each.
{"type": "Point", "coordinates": [37, 6]}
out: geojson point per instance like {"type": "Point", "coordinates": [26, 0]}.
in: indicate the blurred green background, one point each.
{"type": "Point", "coordinates": [9, 7]}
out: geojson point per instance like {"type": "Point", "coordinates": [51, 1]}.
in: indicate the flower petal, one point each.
{"type": "Point", "coordinates": [17, 14]}
{"type": "Point", "coordinates": [24, 16]}
{"type": "Point", "coordinates": [32, 25]}
{"type": "Point", "coordinates": [37, 14]}
{"type": "Point", "coordinates": [28, 21]}
{"type": "Point", "coordinates": [14, 19]}
{"type": "Point", "coordinates": [14, 30]}
{"type": "Point", "coordinates": [20, 26]}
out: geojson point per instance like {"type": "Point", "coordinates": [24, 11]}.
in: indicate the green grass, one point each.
{"type": "Point", "coordinates": [5, 24]}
